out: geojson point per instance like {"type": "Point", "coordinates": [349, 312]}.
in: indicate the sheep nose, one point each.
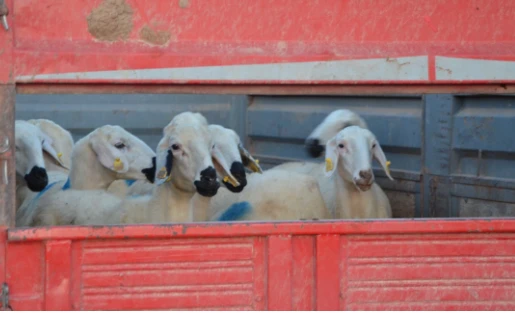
{"type": "Point", "coordinates": [238, 171]}
{"type": "Point", "coordinates": [314, 147]}
{"type": "Point", "coordinates": [208, 174]}
{"type": "Point", "coordinates": [366, 174]}
{"type": "Point", "coordinates": [37, 179]}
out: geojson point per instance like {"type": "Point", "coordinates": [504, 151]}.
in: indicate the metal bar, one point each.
{"type": "Point", "coordinates": [379, 90]}
{"type": "Point", "coordinates": [7, 189]}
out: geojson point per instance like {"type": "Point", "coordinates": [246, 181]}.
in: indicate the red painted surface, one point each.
{"type": "Point", "coordinates": [402, 264]}
{"type": "Point", "coordinates": [53, 37]}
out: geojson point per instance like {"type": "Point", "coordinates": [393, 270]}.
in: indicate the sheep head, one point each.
{"type": "Point", "coordinates": [30, 143]}
{"type": "Point", "coordinates": [230, 158]}
{"type": "Point", "coordinates": [62, 141]}
{"type": "Point", "coordinates": [330, 126]}
{"type": "Point", "coordinates": [123, 153]}
{"type": "Point", "coordinates": [351, 152]}
{"type": "Point", "coordinates": [184, 155]}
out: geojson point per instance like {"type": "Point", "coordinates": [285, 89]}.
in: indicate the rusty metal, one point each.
{"type": "Point", "coordinates": [5, 298]}
{"type": "Point", "coordinates": [4, 11]}
{"type": "Point", "coordinates": [7, 191]}
{"type": "Point", "coordinates": [4, 149]}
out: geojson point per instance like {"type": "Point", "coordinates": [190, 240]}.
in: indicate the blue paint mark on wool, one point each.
{"type": "Point", "coordinates": [44, 190]}
{"type": "Point", "coordinates": [67, 185]}
{"type": "Point", "coordinates": [129, 182]}
{"type": "Point", "coordinates": [236, 212]}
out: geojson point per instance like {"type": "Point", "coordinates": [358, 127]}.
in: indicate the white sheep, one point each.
{"type": "Point", "coordinates": [329, 127]}
{"type": "Point", "coordinates": [62, 142]}
{"type": "Point", "coordinates": [33, 145]}
{"type": "Point", "coordinates": [352, 193]}
{"type": "Point", "coordinates": [273, 195]}
{"type": "Point", "coordinates": [106, 154]}
{"type": "Point", "coordinates": [269, 195]}
{"type": "Point", "coordinates": [185, 167]}
{"type": "Point", "coordinates": [228, 148]}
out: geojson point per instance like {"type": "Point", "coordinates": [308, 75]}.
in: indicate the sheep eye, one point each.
{"type": "Point", "coordinates": [373, 146]}
{"type": "Point", "coordinates": [119, 145]}
{"type": "Point", "coordinates": [341, 146]}
{"type": "Point", "coordinates": [175, 147]}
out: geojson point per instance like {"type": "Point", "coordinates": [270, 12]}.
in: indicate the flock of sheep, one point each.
{"type": "Point", "coordinates": [112, 177]}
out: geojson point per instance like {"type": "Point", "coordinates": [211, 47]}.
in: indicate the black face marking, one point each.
{"type": "Point", "coordinates": [37, 179]}
{"type": "Point", "coordinates": [207, 186]}
{"type": "Point", "coordinates": [314, 148]}
{"type": "Point", "coordinates": [238, 171]}
{"type": "Point", "coordinates": [149, 172]}
{"type": "Point", "coordinates": [169, 162]}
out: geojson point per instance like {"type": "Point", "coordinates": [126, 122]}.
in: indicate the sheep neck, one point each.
{"type": "Point", "coordinates": [351, 203]}
{"type": "Point", "coordinates": [86, 171]}
{"type": "Point", "coordinates": [176, 203]}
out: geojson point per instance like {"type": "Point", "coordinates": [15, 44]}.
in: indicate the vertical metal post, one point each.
{"type": "Point", "coordinates": [7, 187]}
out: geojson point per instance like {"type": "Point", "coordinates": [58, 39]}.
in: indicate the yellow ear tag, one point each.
{"type": "Point", "coordinates": [59, 155]}
{"type": "Point", "coordinates": [254, 166]}
{"type": "Point", "coordinates": [388, 166]}
{"type": "Point", "coordinates": [169, 178]}
{"type": "Point", "coordinates": [328, 165]}
{"type": "Point", "coordinates": [231, 181]}
{"type": "Point", "coordinates": [162, 173]}
{"type": "Point", "coordinates": [118, 164]}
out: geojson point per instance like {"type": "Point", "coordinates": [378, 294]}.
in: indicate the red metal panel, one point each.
{"type": "Point", "coordinates": [58, 275]}
{"type": "Point", "coordinates": [76, 275]}
{"type": "Point", "coordinates": [280, 273]}
{"type": "Point", "coordinates": [168, 274]}
{"type": "Point", "coordinates": [6, 50]}
{"type": "Point", "coordinates": [25, 265]}
{"type": "Point", "coordinates": [303, 280]}
{"type": "Point", "coordinates": [433, 272]}
{"type": "Point", "coordinates": [328, 272]}
{"type": "Point", "coordinates": [70, 36]}
{"type": "Point", "coordinates": [398, 265]}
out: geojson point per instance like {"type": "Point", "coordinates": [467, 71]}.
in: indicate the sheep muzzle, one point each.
{"type": "Point", "coordinates": [37, 179]}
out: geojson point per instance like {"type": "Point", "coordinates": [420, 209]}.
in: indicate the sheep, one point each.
{"type": "Point", "coordinates": [184, 161]}
{"type": "Point", "coordinates": [31, 173]}
{"type": "Point", "coordinates": [352, 193]}
{"type": "Point", "coordinates": [185, 164]}
{"type": "Point", "coordinates": [330, 126]}
{"type": "Point", "coordinates": [106, 154]}
{"type": "Point", "coordinates": [228, 147]}
{"type": "Point", "coordinates": [267, 196]}
{"type": "Point", "coordinates": [273, 195]}
{"type": "Point", "coordinates": [62, 142]}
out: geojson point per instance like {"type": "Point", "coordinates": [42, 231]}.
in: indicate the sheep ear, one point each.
{"type": "Point", "coordinates": [109, 156]}
{"type": "Point", "coordinates": [164, 163]}
{"type": "Point", "coordinates": [331, 157]}
{"type": "Point", "coordinates": [48, 148]}
{"type": "Point", "coordinates": [222, 165]}
{"type": "Point", "coordinates": [381, 158]}
{"type": "Point", "coordinates": [248, 160]}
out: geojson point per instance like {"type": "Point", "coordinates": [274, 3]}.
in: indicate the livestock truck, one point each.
{"type": "Point", "coordinates": [434, 80]}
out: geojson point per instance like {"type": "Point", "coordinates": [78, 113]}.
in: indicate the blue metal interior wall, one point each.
{"type": "Point", "coordinates": [452, 156]}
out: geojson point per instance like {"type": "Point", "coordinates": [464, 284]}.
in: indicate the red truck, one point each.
{"type": "Point", "coordinates": [436, 77]}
